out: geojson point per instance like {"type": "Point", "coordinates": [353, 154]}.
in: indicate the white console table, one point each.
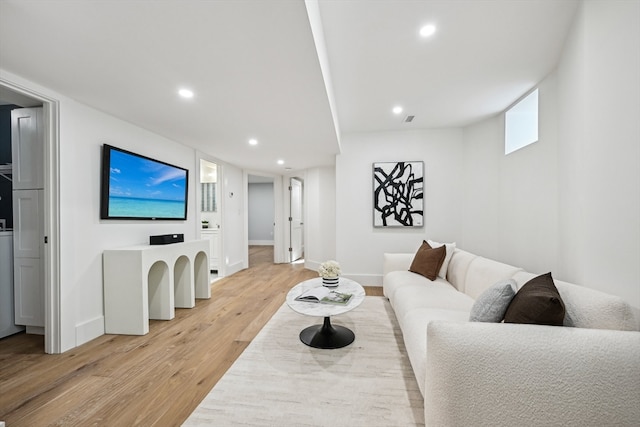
{"type": "Point", "coordinates": [148, 282]}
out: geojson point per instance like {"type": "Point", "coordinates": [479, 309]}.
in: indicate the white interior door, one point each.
{"type": "Point", "coordinates": [27, 152]}
{"type": "Point", "coordinates": [295, 220]}
{"type": "Point", "coordinates": [47, 162]}
{"type": "Point", "coordinates": [27, 257]}
{"type": "Point", "coordinates": [27, 223]}
{"type": "Point", "coordinates": [27, 148]}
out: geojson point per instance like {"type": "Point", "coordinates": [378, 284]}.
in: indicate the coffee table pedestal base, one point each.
{"type": "Point", "coordinates": [327, 335]}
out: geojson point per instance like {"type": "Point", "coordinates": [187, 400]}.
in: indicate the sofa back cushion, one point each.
{"type": "Point", "coordinates": [458, 267]}
{"type": "Point", "coordinates": [483, 273]}
{"type": "Point", "coordinates": [589, 308]}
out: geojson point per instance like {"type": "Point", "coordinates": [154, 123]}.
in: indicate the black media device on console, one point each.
{"type": "Point", "coordinates": [165, 239]}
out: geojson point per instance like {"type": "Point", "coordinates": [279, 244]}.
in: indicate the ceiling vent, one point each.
{"type": "Point", "coordinates": [408, 119]}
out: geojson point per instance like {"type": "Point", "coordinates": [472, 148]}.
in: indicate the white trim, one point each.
{"type": "Point", "coordinates": [51, 109]}
{"type": "Point", "coordinates": [366, 279]}
{"type": "Point", "coordinates": [312, 265]}
{"type": "Point", "coordinates": [235, 267]}
{"type": "Point", "coordinates": [53, 315]}
{"type": "Point", "coordinates": [260, 242]}
{"type": "Point", "coordinates": [363, 279]}
{"type": "Point", "coordinates": [89, 330]}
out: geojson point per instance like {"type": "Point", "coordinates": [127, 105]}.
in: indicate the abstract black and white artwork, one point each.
{"type": "Point", "coordinates": [398, 194]}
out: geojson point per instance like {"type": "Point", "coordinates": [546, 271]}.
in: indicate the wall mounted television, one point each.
{"type": "Point", "coordinates": [141, 188]}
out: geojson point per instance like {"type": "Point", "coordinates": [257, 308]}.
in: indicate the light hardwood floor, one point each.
{"type": "Point", "coordinates": [153, 380]}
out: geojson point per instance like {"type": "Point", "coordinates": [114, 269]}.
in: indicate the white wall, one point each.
{"type": "Point", "coordinates": [510, 208]}
{"type": "Point", "coordinates": [320, 216]}
{"type": "Point", "coordinates": [83, 236]}
{"type": "Point", "coordinates": [261, 213]}
{"type": "Point", "coordinates": [599, 149]}
{"type": "Point", "coordinates": [570, 203]}
{"type": "Point", "coordinates": [360, 246]}
{"type": "Point", "coordinates": [234, 245]}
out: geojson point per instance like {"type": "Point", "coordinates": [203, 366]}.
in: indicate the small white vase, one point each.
{"type": "Point", "coordinates": [330, 282]}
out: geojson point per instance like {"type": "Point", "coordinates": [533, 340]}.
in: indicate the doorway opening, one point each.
{"type": "Point", "coordinates": [296, 221]}
{"type": "Point", "coordinates": [261, 220]}
{"type": "Point", "coordinates": [46, 284]}
{"type": "Point", "coordinates": [211, 215]}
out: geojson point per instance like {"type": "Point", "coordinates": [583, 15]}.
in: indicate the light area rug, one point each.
{"type": "Point", "coordinates": [279, 381]}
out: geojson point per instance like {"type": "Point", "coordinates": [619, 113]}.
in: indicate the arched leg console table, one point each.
{"type": "Point", "coordinates": [149, 282]}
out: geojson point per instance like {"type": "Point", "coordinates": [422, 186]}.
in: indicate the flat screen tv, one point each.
{"type": "Point", "coordinates": [138, 187]}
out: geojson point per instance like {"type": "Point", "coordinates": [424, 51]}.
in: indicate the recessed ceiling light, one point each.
{"type": "Point", "coordinates": [185, 93]}
{"type": "Point", "coordinates": [397, 109]}
{"type": "Point", "coordinates": [281, 162]}
{"type": "Point", "coordinates": [253, 141]}
{"type": "Point", "coordinates": [427, 30]}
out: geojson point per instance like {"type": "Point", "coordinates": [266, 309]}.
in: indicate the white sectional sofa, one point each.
{"type": "Point", "coordinates": [506, 374]}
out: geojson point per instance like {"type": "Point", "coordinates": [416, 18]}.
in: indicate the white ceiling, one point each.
{"type": "Point", "coordinates": [254, 67]}
{"type": "Point", "coordinates": [484, 55]}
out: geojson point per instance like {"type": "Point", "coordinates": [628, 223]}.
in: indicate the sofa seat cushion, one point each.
{"type": "Point", "coordinates": [399, 279]}
{"type": "Point", "coordinates": [439, 295]}
{"type": "Point", "coordinates": [414, 332]}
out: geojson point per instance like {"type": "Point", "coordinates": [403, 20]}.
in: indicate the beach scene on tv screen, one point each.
{"type": "Point", "coordinates": [143, 188]}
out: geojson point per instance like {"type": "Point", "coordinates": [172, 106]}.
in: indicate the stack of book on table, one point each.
{"type": "Point", "coordinates": [325, 295]}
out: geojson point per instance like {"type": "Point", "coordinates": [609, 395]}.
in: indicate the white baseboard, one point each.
{"type": "Point", "coordinates": [261, 242]}
{"type": "Point", "coordinates": [89, 330]}
{"type": "Point", "coordinates": [363, 279]}
{"type": "Point", "coordinates": [311, 265]}
{"type": "Point", "coordinates": [366, 279]}
{"type": "Point", "coordinates": [233, 268]}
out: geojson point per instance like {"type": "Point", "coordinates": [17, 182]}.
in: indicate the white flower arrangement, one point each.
{"type": "Point", "coordinates": [329, 269]}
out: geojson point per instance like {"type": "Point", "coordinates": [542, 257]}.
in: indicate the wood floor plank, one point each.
{"type": "Point", "coordinates": [153, 380]}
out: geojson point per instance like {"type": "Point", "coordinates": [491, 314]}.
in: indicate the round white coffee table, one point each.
{"type": "Point", "coordinates": [326, 335]}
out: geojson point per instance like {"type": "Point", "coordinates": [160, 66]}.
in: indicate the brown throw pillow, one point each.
{"type": "Point", "coordinates": [538, 301]}
{"type": "Point", "coordinates": [427, 261]}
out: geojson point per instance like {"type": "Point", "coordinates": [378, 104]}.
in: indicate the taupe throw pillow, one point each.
{"type": "Point", "coordinates": [427, 261]}
{"type": "Point", "coordinates": [538, 301]}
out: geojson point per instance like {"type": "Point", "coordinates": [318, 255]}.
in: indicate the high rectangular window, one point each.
{"type": "Point", "coordinates": [521, 123]}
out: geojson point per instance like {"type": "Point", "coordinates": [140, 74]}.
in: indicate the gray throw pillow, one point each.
{"type": "Point", "coordinates": [492, 304]}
